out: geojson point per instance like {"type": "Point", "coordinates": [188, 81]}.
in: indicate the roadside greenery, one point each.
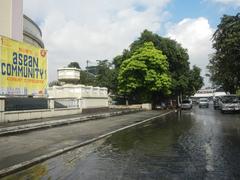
{"type": "Point", "coordinates": [85, 77]}
{"type": "Point", "coordinates": [238, 92]}
{"type": "Point", "coordinates": [224, 66]}
{"type": "Point", "coordinates": [105, 76]}
{"type": "Point", "coordinates": [184, 81]}
{"type": "Point", "coordinates": [144, 73]}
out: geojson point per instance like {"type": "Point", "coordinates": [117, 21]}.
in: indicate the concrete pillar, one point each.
{"type": "Point", "coordinates": [11, 19]}
{"type": "Point", "coordinates": [2, 108]}
{"type": "Point", "coordinates": [2, 104]}
{"type": "Point", "coordinates": [51, 104]}
{"type": "Point", "coordinates": [80, 104]}
{"type": "Point", "coordinates": [83, 103]}
{"type": "Point", "coordinates": [147, 106]}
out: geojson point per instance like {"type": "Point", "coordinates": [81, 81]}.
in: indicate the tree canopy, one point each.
{"type": "Point", "coordinates": [177, 58]}
{"type": "Point", "coordinates": [224, 64]}
{"type": "Point", "coordinates": [146, 71]}
{"type": "Point", "coordinates": [106, 75]}
{"type": "Point", "coordinates": [87, 78]}
{"type": "Point", "coordinates": [74, 65]}
{"type": "Point", "coordinates": [195, 80]}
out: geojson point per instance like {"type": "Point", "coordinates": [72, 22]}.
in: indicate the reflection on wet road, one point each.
{"type": "Point", "coordinates": [198, 144]}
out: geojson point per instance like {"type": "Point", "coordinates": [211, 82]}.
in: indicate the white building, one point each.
{"type": "Point", "coordinates": [91, 97]}
{"type": "Point", "coordinates": [208, 93]}
{"type": "Point", "coordinates": [204, 93]}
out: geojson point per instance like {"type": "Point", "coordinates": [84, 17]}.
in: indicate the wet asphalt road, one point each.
{"type": "Point", "coordinates": [196, 144]}
{"type": "Point", "coordinates": [18, 148]}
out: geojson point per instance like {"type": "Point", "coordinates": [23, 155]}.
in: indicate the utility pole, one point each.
{"type": "Point", "coordinates": [87, 64]}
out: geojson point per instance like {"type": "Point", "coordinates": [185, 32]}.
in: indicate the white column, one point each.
{"type": "Point", "coordinates": [17, 20]}
{"type": "Point", "coordinates": [2, 104]}
{"type": "Point", "coordinates": [2, 108]}
{"type": "Point", "coordinates": [11, 19]}
{"type": "Point", "coordinates": [80, 104]}
{"type": "Point", "coordinates": [51, 103]}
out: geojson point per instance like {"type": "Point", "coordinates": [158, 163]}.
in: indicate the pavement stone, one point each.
{"type": "Point", "coordinates": [23, 126]}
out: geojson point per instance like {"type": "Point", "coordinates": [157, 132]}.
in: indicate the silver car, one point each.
{"type": "Point", "coordinates": [203, 102]}
{"type": "Point", "coordinates": [229, 103]}
{"type": "Point", "coordinates": [186, 104]}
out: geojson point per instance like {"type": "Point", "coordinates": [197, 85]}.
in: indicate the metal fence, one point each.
{"type": "Point", "coordinates": [28, 103]}
{"type": "Point", "coordinates": [23, 103]}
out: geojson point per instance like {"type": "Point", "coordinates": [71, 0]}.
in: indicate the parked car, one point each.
{"type": "Point", "coordinates": [216, 104]}
{"type": "Point", "coordinates": [229, 103]}
{"type": "Point", "coordinates": [186, 104]}
{"type": "Point", "coordinates": [203, 102]}
{"type": "Point", "coordinates": [161, 106]}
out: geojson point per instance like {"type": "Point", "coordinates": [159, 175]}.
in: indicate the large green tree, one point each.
{"type": "Point", "coordinates": [195, 80]}
{"type": "Point", "coordinates": [144, 73]}
{"type": "Point", "coordinates": [224, 64]}
{"type": "Point", "coordinates": [177, 58]}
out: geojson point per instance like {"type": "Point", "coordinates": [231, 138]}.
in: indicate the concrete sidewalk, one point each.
{"type": "Point", "coordinates": [24, 126]}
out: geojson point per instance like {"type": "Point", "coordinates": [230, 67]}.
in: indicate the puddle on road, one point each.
{"type": "Point", "coordinates": [55, 167]}
{"type": "Point", "coordinates": [108, 155]}
{"type": "Point", "coordinates": [33, 173]}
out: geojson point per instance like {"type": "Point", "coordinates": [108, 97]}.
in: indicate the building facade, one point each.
{"type": "Point", "coordinates": [15, 25]}
{"type": "Point", "coordinates": [11, 21]}
{"type": "Point", "coordinates": [32, 34]}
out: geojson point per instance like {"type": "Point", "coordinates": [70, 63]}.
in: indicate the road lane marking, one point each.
{"type": "Point", "coordinates": [209, 157]}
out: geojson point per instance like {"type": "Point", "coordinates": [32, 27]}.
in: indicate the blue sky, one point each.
{"type": "Point", "coordinates": [200, 8]}
{"type": "Point", "coordinates": [80, 30]}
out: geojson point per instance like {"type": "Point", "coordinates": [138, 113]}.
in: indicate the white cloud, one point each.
{"type": "Point", "coordinates": [80, 30]}
{"type": "Point", "coordinates": [228, 2]}
{"type": "Point", "coordinates": [195, 35]}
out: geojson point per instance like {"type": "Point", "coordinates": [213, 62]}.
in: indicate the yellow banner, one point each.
{"type": "Point", "coordinates": [23, 68]}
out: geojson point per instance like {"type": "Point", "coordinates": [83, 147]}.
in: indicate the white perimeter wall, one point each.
{"type": "Point", "coordinates": [91, 97]}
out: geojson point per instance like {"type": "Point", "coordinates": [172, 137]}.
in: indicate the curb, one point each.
{"type": "Point", "coordinates": [20, 166]}
{"type": "Point", "coordinates": [55, 123]}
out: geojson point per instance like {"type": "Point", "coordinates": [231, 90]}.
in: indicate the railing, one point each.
{"type": "Point", "coordinates": [66, 103]}
{"type": "Point", "coordinates": [77, 91]}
